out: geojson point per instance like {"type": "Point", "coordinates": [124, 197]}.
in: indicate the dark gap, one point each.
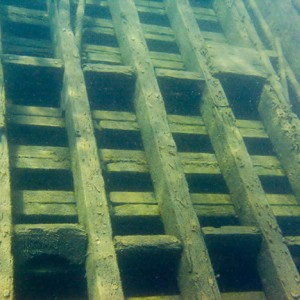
{"type": "Point", "coordinates": [149, 273]}
{"type": "Point", "coordinates": [193, 143]}
{"type": "Point", "coordinates": [119, 139]}
{"type": "Point", "coordinates": [234, 262]}
{"type": "Point", "coordinates": [276, 184]}
{"type": "Point", "coordinates": [243, 93]}
{"type": "Point", "coordinates": [31, 4]}
{"type": "Point", "coordinates": [218, 221]}
{"type": "Point", "coordinates": [110, 91]}
{"type": "Point", "coordinates": [202, 3]}
{"type": "Point", "coordinates": [206, 183]}
{"type": "Point", "coordinates": [37, 179]}
{"type": "Point", "coordinates": [41, 86]}
{"type": "Point", "coordinates": [162, 46]}
{"type": "Point", "coordinates": [50, 277]}
{"type": "Point", "coordinates": [37, 135]}
{"type": "Point", "coordinates": [209, 26]}
{"type": "Point", "coordinates": [94, 38]}
{"type": "Point", "coordinates": [137, 225]}
{"type": "Point", "coordinates": [128, 181]}
{"type": "Point", "coordinates": [44, 219]}
{"type": "Point", "coordinates": [259, 146]}
{"type": "Point", "coordinates": [154, 19]}
{"type": "Point", "coordinates": [97, 11]}
{"type": "Point", "coordinates": [24, 30]}
{"type": "Point", "coordinates": [289, 225]}
{"type": "Point", "coordinates": [181, 97]}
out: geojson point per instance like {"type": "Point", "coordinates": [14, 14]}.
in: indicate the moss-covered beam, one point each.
{"type": "Point", "coordinates": [101, 264]}
{"type": "Point", "coordinates": [196, 278]}
{"type": "Point", "coordinates": [276, 267]}
{"type": "Point", "coordinates": [6, 258]}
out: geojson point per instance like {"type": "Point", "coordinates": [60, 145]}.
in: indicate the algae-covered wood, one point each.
{"type": "Point", "coordinates": [6, 258]}
{"type": "Point", "coordinates": [196, 278]}
{"type": "Point", "coordinates": [234, 161]}
{"type": "Point", "coordinates": [101, 266]}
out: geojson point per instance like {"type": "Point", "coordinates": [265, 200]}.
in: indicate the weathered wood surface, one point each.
{"type": "Point", "coordinates": [284, 23]}
{"type": "Point", "coordinates": [32, 61]}
{"type": "Point", "coordinates": [6, 258]}
{"type": "Point", "coordinates": [101, 265]}
{"type": "Point", "coordinates": [66, 240]}
{"type": "Point", "coordinates": [195, 274]}
{"type": "Point", "coordinates": [44, 206]}
{"type": "Point", "coordinates": [247, 194]}
{"type": "Point", "coordinates": [139, 243]}
{"type": "Point", "coordinates": [23, 15]}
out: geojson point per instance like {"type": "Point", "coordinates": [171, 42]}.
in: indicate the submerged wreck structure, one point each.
{"type": "Point", "coordinates": [149, 149]}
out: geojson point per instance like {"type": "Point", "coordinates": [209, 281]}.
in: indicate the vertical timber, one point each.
{"type": "Point", "coordinates": [278, 273]}
{"type": "Point", "coordinates": [196, 277]}
{"type": "Point", "coordinates": [101, 264]}
{"type": "Point", "coordinates": [6, 258]}
{"type": "Point", "coordinates": [282, 125]}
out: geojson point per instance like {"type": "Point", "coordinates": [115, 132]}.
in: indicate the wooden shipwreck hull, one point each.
{"type": "Point", "coordinates": [149, 150]}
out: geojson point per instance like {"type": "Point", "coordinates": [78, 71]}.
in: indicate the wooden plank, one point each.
{"type": "Point", "coordinates": [36, 121]}
{"type": "Point", "coordinates": [230, 59]}
{"type": "Point", "coordinates": [44, 206]}
{"type": "Point", "coordinates": [32, 61]}
{"type": "Point", "coordinates": [175, 74]}
{"type": "Point", "coordinates": [102, 271]}
{"type": "Point", "coordinates": [40, 157]}
{"type": "Point", "coordinates": [178, 124]}
{"type": "Point", "coordinates": [173, 297]}
{"type": "Point", "coordinates": [234, 161]}
{"type": "Point", "coordinates": [205, 14]}
{"type": "Point", "coordinates": [109, 69]}
{"type": "Point", "coordinates": [140, 243]}
{"type": "Point", "coordinates": [24, 15]}
{"type": "Point", "coordinates": [197, 198]}
{"type": "Point", "coordinates": [66, 240]}
{"type": "Point", "coordinates": [210, 210]}
{"type": "Point", "coordinates": [46, 196]}
{"type": "Point", "coordinates": [34, 111]}
{"type": "Point", "coordinates": [6, 257]}
{"type": "Point", "coordinates": [244, 296]}
{"type": "Point", "coordinates": [21, 46]}
{"type": "Point", "coordinates": [232, 233]}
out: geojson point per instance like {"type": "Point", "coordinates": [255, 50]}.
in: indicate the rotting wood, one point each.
{"type": "Point", "coordinates": [138, 243]}
{"type": "Point", "coordinates": [282, 125]}
{"type": "Point", "coordinates": [102, 272]}
{"type": "Point", "coordinates": [247, 194]}
{"type": "Point", "coordinates": [23, 15]}
{"type": "Point", "coordinates": [6, 257]}
{"type": "Point", "coordinates": [196, 278]}
{"type": "Point", "coordinates": [66, 240]}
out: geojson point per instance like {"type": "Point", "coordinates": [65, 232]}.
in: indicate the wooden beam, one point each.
{"type": "Point", "coordinates": [6, 258]}
{"type": "Point", "coordinates": [66, 240]}
{"type": "Point", "coordinates": [102, 271]}
{"type": "Point", "coordinates": [195, 275]}
{"type": "Point", "coordinates": [234, 161]}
